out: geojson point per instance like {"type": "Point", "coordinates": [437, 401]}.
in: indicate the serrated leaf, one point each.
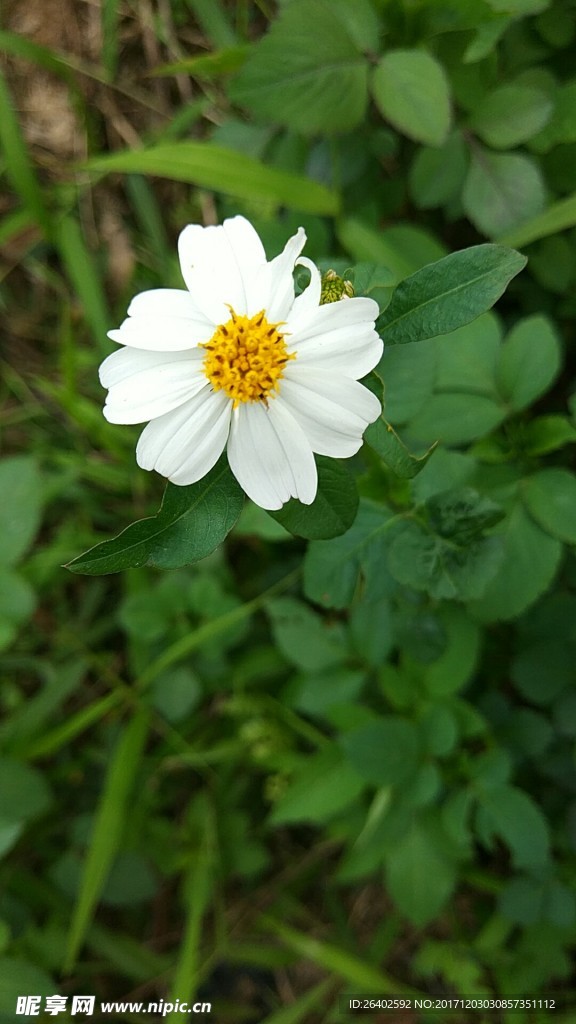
{"type": "Point", "coordinates": [411, 91]}
{"type": "Point", "coordinates": [442, 569]}
{"type": "Point", "coordinates": [223, 170]}
{"type": "Point", "coordinates": [191, 523]}
{"type": "Point", "coordinates": [461, 514]}
{"type": "Point", "coordinates": [322, 87]}
{"type": "Point", "coordinates": [333, 510]}
{"type": "Point", "coordinates": [448, 294]}
{"type": "Point", "coordinates": [502, 190]}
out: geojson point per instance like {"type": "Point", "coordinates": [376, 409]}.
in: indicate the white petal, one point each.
{"type": "Point", "coordinates": [352, 351]}
{"type": "Point", "coordinates": [184, 444]}
{"type": "Point", "coordinates": [221, 266]}
{"type": "Point", "coordinates": [331, 316]}
{"type": "Point", "coordinates": [332, 410]}
{"type": "Point", "coordinates": [270, 456]}
{"type": "Point", "coordinates": [125, 362]}
{"type": "Point", "coordinates": [151, 392]}
{"type": "Point", "coordinates": [309, 300]}
{"type": "Point", "coordinates": [281, 280]}
{"type": "Point", "coordinates": [165, 302]}
{"type": "Point", "coordinates": [162, 333]}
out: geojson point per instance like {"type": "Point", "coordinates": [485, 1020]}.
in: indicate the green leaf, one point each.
{"type": "Point", "coordinates": [516, 819]}
{"type": "Point", "coordinates": [550, 497]}
{"type": "Point", "coordinates": [108, 826]}
{"type": "Point", "coordinates": [191, 523]}
{"type": "Point", "coordinates": [543, 669]}
{"type": "Point", "coordinates": [373, 280]}
{"type": "Point", "coordinates": [384, 440]}
{"type": "Point", "coordinates": [442, 569]}
{"type": "Point", "coordinates": [461, 515]}
{"type": "Point", "coordinates": [529, 361]}
{"type": "Point", "coordinates": [222, 170]}
{"type": "Point", "coordinates": [467, 358]}
{"type": "Point", "coordinates": [557, 217]}
{"type": "Point", "coordinates": [456, 665]}
{"type": "Point", "coordinates": [322, 788]}
{"type": "Point", "coordinates": [546, 434]}
{"type": "Point", "coordinates": [176, 693]}
{"type": "Point", "coordinates": [511, 114]}
{"type": "Point", "coordinates": [17, 597]}
{"type": "Point", "coordinates": [519, 7]}
{"type": "Point", "coordinates": [304, 638]}
{"type": "Point", "coordinates": [371, 630]}
{"type": "Point", "coordinates": [383, 752]}
{"type": "Point", "coordinates": [333, 510]}
{"type": "Point", "coordinates": [24, 793]}
{"type": "Point", "coordinates": [331, 567]}
{"type": "Point", "coordinates": [530, 560]}
{"type": "Point", "coordinates": [401, 249]}
{"type": "Point", "coordinates": [420, 875]}
{"type": "Point", "coordinates": [20, 509]}
{"type": "Point", "coordinates": [437, 175]}
{"type": "Point", "coordinates": [411, 91]}
{"type": "Point", "coordinates": [502, 190]}
{"type": "Point", "coordinates": [456, 417]}
{"type": "Point", "coordinates": [19, 977]}
{"type": "Point", "coordinates": [306, 73]}
{"type": "Point", "coordinates": [448, 294]}
{"type": "Point", "coordinates": [408, 372]}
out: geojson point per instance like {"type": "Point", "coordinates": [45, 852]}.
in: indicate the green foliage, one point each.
{"type": "Point", "coordinates": [338, 732]}
{"type": "Point", "coordinates": [191, 523]}
{"type": "Point", "coordinates": [446, 295]}
{"type": "Point", "coordinates": [412, 92]}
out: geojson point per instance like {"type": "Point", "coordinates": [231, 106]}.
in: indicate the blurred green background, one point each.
{"type": "Point", "coordinates": [243, 781]}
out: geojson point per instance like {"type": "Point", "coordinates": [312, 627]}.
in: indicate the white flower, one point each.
{"type": "Point", "coordinates": [238, 362]}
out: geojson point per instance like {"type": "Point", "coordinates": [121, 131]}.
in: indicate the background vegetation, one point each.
{"type": "Point", "coordinates": [263, 784]}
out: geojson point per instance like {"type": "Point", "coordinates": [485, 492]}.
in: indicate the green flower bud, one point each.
{"type": "Point", "coordinates": [335, 288]}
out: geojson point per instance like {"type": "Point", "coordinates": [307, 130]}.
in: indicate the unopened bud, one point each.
{"type": "Point", "coordinates": [335, 288]}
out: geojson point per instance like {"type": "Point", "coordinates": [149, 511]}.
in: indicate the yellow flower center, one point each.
{"type": "Point", "coordinates": [245, 357]}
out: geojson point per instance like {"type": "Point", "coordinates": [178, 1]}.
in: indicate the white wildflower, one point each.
{"type": "Point", "coordinates": [237, 362]}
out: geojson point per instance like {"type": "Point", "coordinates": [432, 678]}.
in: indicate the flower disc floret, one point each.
{"type": "Point", "coordinates": [246, 357]}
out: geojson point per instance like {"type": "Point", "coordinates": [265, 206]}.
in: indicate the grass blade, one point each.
{"type": "Point", "coordinates": [222, 170]}
{"type": "Point", "coordinates": [84, 277]}
{"type": "Point", "coordinates": [110, 36]}
{"type": "Point", "coordinates": [198, 890]}
{"type": "Point", "coordinates": [214, 22]}
{"type": "Point", "coordinates": [19, 166]}
{"type": "Point", "coordinates": [300, 1008]}
{"type": "Point", "coordinates": [107, 830]}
